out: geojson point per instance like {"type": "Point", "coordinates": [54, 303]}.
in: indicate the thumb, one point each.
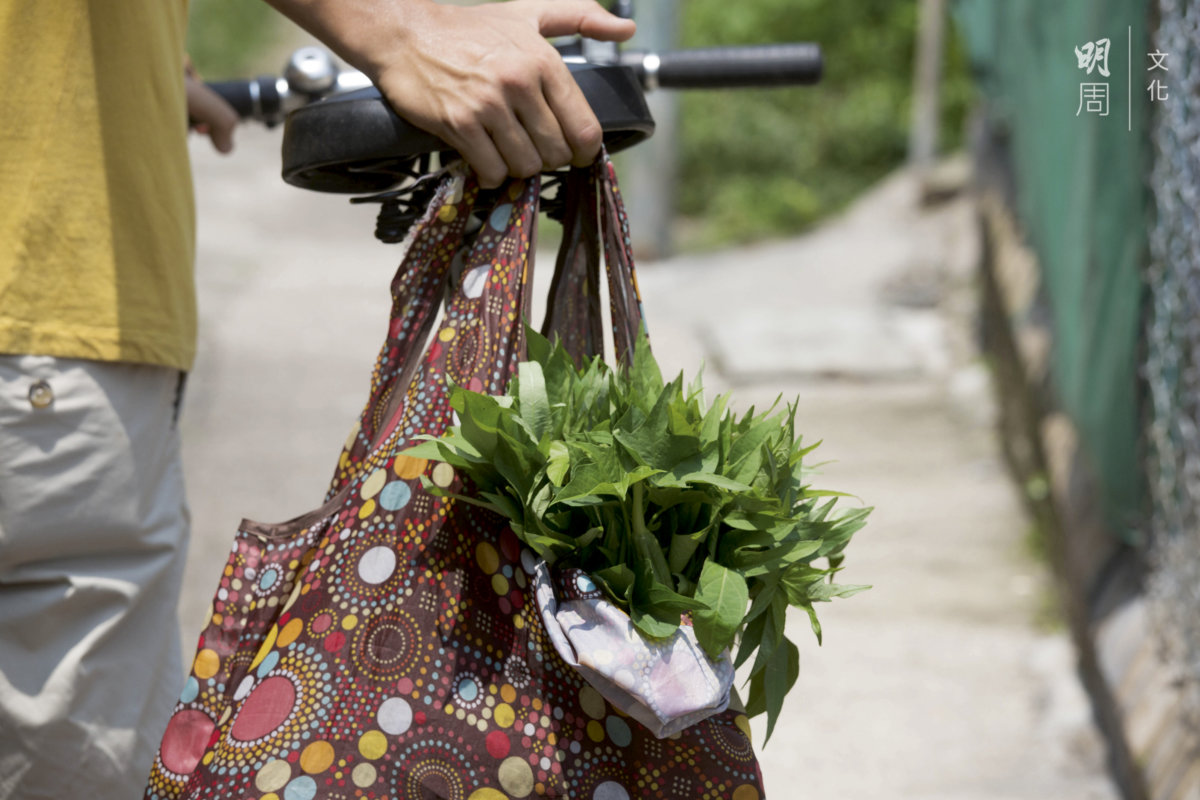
{"type": "Point", "coordinates": [567, 17]}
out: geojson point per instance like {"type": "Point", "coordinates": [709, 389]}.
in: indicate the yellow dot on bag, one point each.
{"type": "Point", "coordinates": [295, 595]}
{"type": "Point", "coordinates": [317, 757]}
{"type": "Point", "coordinates": [349, 622]}
{"type": "Point", "coordinates": [368, 508]}
{"type": "Point", "coordinates": [745, 792]}
{"type": "Point", "coordinates": [447, 334]}
{"type": "Point", "coordinates": [743, 724]}
{"type": "Point", "coordinates": [273, 776]}
{"type": "Point", "coordinates": [447, 213]}
{"type": "Point", "coordinates": [374, 482]}
{"type": "Point", "coordinates": [267, 646]}
{"type": "Point", "coordinates": [372, 745]}
{"type": "Point", "coordinates": [487, 793]}
{"type": "Point", "coordinates": [504, 715]}
{"type": "Point", "coordinates": [353, 435]}
{"type": "Point", "coordinates": [363, 775]}
{"type": "Point", "coordinates": [508, 693]}
{"type": "Point", "coordinates": [488, 558]}
{"type": "Point", "coordinates": [499, 584]}
{"type": "Point", "coordinates": [207, 663]}
{"type": "Point", "coordinates": [595, 731]}
{"type": "Point", "coordinates": [290, 631]}
{"type": "Point", "coordinates": [407, 467]}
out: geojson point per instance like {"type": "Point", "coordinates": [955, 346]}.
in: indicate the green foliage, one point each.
{"type": "Point", "coordinates": [671, 506]}
{"type": "Point", "coordinates": [226, 38]}
{"type": "Point", "coordinates": [773, 161]}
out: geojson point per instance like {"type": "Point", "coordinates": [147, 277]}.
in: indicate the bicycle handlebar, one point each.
{"type": "Point", "coordinates": [343, 136]}
{"type": "Point", "coordinates": [312, 75]}
{"type": "Point", "coordinates": [728, 67]}
{"type": "Point", "coordinates": [257, 98]}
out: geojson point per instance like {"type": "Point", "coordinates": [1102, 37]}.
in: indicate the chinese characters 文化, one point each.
{"type": "Point", "coordinates": [1157, 87]}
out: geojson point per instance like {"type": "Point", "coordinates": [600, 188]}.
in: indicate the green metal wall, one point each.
{"type": "Point", "coordinates": [1082, 202]}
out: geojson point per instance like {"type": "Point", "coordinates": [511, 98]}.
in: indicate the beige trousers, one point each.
{"type": "Point", "coordinates": [93, 532]}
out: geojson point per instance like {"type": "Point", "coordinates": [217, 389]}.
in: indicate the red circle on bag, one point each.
{"type": "Point", "coordinates": [265, 709]}
{"type": "Point", "coordinates": [185, 740]}
{"type": "Point", "coordinates": [498, 745]}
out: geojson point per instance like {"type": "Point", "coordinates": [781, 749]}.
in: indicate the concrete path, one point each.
{"type": "Point", "coordinates": [938, 684]}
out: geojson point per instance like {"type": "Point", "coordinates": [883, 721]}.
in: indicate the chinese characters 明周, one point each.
{"type": "Point", "coordinates": [1093, 96]}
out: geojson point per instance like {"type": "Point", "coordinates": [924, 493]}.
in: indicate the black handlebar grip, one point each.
{"type": "Point", "coordinates": [253, 99]}
{"type": "Point", "coordinates": [733, 67]}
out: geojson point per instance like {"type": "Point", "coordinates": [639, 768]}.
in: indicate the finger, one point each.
{"type": "Point", "coordinates": [520, 156]}
{"type": "Point", "coordinates": [477, 149]}
{"type": "Point", "coordinates": [567, 17]}
{"type": "Point", "coordinates": [544, 130]}
{"type": "Point", "coordinates": [581, 130]}
{"type": "Point", "coordinates": [208, 108]}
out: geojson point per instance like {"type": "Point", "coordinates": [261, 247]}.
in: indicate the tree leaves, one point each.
{"type": "Point", "coordinates": [670, 505]}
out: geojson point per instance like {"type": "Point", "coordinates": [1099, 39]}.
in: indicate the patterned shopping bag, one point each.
{"type": "Point", "coordinates": [387, 645]}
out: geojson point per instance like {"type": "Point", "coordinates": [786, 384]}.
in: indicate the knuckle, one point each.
{"type": "Point", "coordinates": [527, 167]}
{"type": "Point", "coordinates": [557, 156]}
{"type": "Point", "coordinates": [587, 138]}
{"type": "Point", "coordinates": [516, 80]}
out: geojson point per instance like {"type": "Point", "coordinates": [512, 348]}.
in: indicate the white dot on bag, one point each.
{"type": "Point", "coordinates": [374, 483]}
{"type": "Point", "coordinates": [610, 790]}
{"type": "Point", "coordinates": [377, 564]}
{"type": "Point", "coordinates": [395, 715]}
{"type": "Point", "coordinates": [244, 687]}
{"type": "Point", "coordinates": [443, 475]}
{"type": "Point", "coordinates": [475, 280]}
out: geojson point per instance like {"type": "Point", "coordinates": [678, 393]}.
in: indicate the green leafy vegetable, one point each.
{"type": "Point", "coordinates": [673, 507]}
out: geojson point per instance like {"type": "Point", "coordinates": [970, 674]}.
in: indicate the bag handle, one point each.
{"type": "Point", "coordinates": [574, 314]}
{"type": "Point", "coordinates": [482, 335]}
{"type": "Point", "coordinates": [628, 318]}
{"type": "Point", "coordinates": [417, 289]}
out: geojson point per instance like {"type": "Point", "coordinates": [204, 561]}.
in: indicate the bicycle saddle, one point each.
{"type": "Point", "coordinates": [355, 142]}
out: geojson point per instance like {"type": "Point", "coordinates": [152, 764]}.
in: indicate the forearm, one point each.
{"type": "Point", "coordinates": [364, 33]}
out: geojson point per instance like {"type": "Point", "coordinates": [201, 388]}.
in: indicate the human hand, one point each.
{"type": "Point", "coordinates": [485, 80]}
{"type": "Point", "coordinates": [209, 113]}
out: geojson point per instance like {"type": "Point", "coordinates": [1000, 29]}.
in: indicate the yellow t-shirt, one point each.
{"type": "Point", "coordinates": [97, 223]}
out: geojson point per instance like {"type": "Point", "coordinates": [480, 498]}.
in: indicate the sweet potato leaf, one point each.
{"type": "Point", "coordinates": [671, 505]}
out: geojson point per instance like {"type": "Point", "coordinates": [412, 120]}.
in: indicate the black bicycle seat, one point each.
{"type": "Point", "coordinates": [355, 142]}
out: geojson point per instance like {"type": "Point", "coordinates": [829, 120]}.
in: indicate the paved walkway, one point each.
{"type": "Point", "coordinates": [938, 684]}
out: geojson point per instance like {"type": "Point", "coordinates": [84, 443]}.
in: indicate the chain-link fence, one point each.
{"type": "Point", "coordinates": [1172, 361]}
